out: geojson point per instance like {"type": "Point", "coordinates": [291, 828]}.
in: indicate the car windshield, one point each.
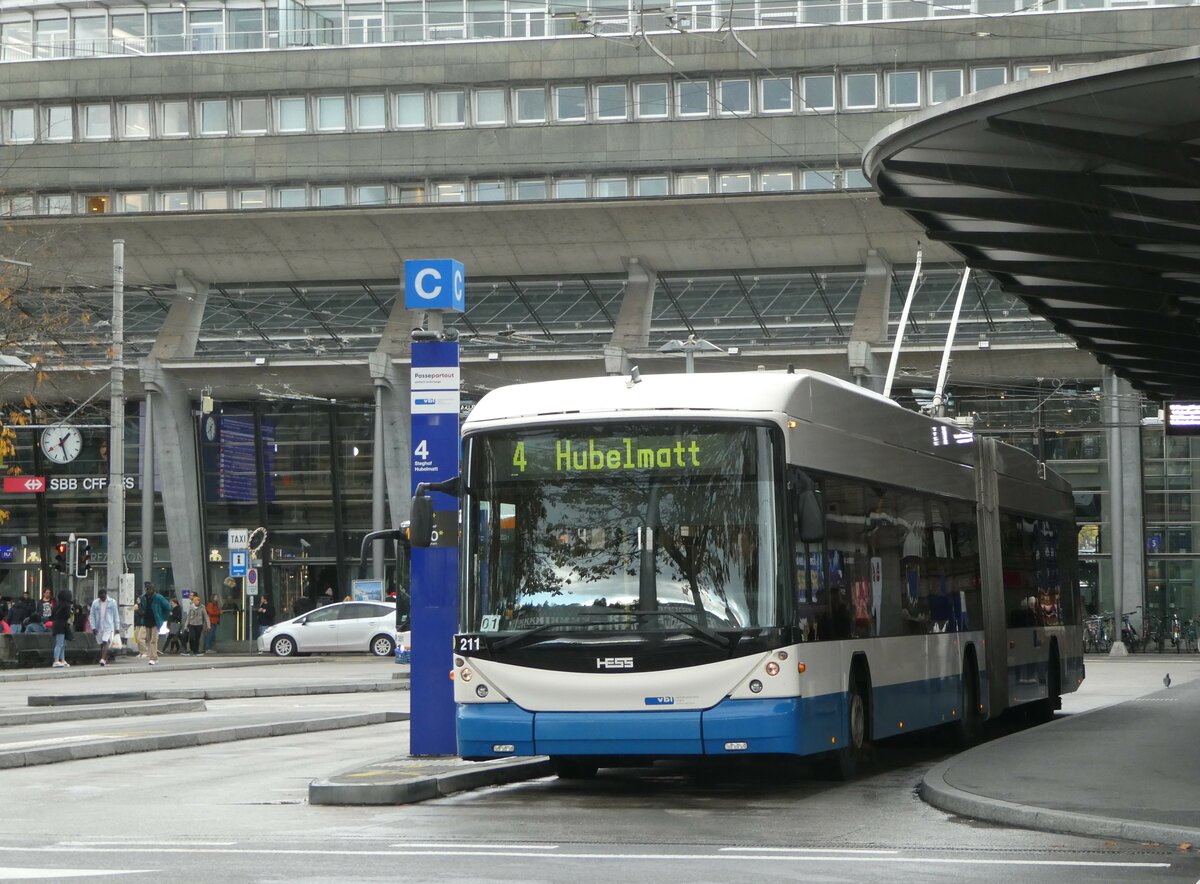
{"type": "Point", "coordinates": [628, 528]}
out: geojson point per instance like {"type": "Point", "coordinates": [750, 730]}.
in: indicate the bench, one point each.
{"type": "Point", "coordinates": [37, 649]}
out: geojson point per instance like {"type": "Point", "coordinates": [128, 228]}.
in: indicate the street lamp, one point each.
{"type": "Point", "coordinates": [688, 348]}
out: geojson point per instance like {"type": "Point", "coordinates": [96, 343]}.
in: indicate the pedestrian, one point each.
{"type": "Point", "coordinates": [18, 614]}
{"type": "Point", "coordinates": [214, 617]}
{"type": "Point", "coordinates": [196, 621]}
{"type": "Point", "coordinates": [139, 624]}
{"type": "Point", "coordinates": [264, 615]}
{"type": "Point", "coordinates": [105, 623]}
{"type": "Point", "coordinates": [39, 613]}
{"type": "Point", "coordinates": [155, 611]}
{"type": "Point", "coordinates": [60, 625]}
{"type": "Point", "coordinates": [302, 605]}
{"type": "Point", "coordinates": [79, 618]}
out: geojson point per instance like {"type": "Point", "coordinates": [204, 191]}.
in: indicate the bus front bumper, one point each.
{"type": "Point", "coordinates": [787, 725]}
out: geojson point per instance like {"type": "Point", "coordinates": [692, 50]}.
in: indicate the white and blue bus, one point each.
{"type": "Point", "coordinates": [748, 564]}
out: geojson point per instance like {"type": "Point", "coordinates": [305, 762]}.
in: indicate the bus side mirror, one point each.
{"type": "Point", "coordinates": [420, 521]}
{"type": "Point", "coordinates": [812, 517]}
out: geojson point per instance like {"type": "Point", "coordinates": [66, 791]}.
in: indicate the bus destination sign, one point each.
{"type": "Point", "coordinates": [592, 455]}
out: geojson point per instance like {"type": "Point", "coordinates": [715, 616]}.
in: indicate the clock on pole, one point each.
{"type": "Point", "coordinates": [62, 444]}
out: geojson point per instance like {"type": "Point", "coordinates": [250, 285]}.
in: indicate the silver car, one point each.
{"type": "Point", "coordinates": [344, 627]}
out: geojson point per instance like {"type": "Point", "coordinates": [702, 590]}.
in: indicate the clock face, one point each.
{"type": "Point", "coordinates": [210, 428]}
{"type": "Point", "coordinates": [62, 444]}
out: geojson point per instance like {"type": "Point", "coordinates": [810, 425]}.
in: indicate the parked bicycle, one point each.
{"type": "Point", "coordinates": [1097, 637]}
{"type": "Point", "coordinates": [1189, 637]}
{"type": "Point", "coordinates": [1129, 633]}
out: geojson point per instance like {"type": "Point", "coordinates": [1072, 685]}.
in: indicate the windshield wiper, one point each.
{"type": "Point", "coordinates": [520, 637]}
{"type": "Point", "coordinates": [701, 632]}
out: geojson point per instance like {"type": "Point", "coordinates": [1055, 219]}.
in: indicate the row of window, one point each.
{"type": "Point", "coordinates": [55, 33]}
{"type": "Point", "coordinates": [414, 193]}
{"type": "Point", "coordinates": [500, 106]}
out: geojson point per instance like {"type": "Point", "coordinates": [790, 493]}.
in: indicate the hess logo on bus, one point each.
{"type": "Point", "coordinates": [614, 662]}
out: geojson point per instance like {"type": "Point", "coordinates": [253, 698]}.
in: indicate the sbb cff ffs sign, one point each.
{"type": "Point", "coordinates": [439, 284]}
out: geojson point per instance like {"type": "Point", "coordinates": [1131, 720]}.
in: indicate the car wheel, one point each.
{"type": "Point", "coordinates": [383, 646]}
{"type": "Point", "coordinates": [284, 646]}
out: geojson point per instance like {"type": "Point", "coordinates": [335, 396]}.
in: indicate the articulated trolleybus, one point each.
{"type": "Point", "coordinates": [753, 563]}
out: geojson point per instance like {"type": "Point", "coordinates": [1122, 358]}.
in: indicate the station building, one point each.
{"type": "Point", "coordinates": [617, 179]}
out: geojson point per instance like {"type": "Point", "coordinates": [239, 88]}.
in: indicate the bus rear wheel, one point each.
{"type": "Point", "coordinates": [968, 730]}
{"type": "Point", "coordinates": [846, 760]}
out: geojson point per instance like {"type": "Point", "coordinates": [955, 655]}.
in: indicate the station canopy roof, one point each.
{"type": "Point", "coordinates": [1079, 192]}
{"type": "Point", "coordinates": [792, 311]}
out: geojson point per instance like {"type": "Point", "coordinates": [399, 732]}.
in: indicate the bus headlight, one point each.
{"type": "Point", "coordinates": [772, 668]}
{"type": "Point", "coordinates": [466, 674]}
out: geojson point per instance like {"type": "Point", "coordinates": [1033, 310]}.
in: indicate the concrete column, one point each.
{"type": "Point", "coordinates": [175, 450]}
{"type": "Point", "coordinates": [171, 440]}
{"type": "Point", "coordinates": [148, 492]}
{"type": "Point", "coordinates": [1131, 579]}
{"type": "Point", "coordinates": [870, 329]}
{"type": "Point", "coordinates": [1125, 535]}
{"type": "Point", "coordinates": [391, 458]}
{"type": "Point", "coordinates": [632, 327]}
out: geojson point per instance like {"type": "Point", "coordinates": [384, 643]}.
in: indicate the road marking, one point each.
{"type": "Point", "coordinates": [117, 842]}
{"type": "Point", "coordinates": [823, 850]}
{"type": "Point", "coordinates": [446, 846]}
{"type": "Point", "coordinates": [640, 857]}
{"type": "Point", "coordinates": [12, 873]}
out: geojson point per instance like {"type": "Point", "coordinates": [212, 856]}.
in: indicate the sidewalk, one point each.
{"type": "Point", "coordinates": [54, 715]}
{"type": "Point", "coordinates": [1128, 770]}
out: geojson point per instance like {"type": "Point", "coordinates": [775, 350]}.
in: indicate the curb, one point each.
{"type": "Point", "coordinates": [329, 792]}
{"type": "Point", "coordinates": [212, 693]}
{"type": "Point", "coordinates": [78, 751]}
{"type": "Point", "coordinates": [934, 790]}
{"type": "Point", "coordinates": [117, 667]}
{"type": "Point", "coordinates": [83, 713]}
{"type": "Point", "coordinates": [937, 792]}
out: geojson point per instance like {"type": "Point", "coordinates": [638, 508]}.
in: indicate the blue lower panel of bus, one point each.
{"type": "Point", "coordinates": [791, 726]}
{"type": "Point", "coordinates": [767, 726]}
{"type": "Point", "coordinates": [912, 705]}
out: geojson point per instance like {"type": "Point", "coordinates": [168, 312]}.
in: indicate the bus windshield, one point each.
{"type": "Point", "coordinates": [654, 527]}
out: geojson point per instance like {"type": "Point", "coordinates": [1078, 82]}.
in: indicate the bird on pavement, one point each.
{"type": "Point", "coordinates": [1167, 680]}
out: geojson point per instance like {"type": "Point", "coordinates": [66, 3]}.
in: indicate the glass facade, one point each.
{"type": "Point", "coordinates": [1171, 501]}
{"type": "Point", "coordinates": [300, 470]}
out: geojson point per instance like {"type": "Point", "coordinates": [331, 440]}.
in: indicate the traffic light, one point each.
{"type": "Point", "coordinates": [60, 556]}
{"type": "Point", "coordinates": [83, 558]}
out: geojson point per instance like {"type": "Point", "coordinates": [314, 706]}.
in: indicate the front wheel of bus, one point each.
{"type": "Point", "coordinates": [574, 768]}
{"type": "Point", "coordinates": [846, 759]}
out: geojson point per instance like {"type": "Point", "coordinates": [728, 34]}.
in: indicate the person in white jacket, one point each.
{"type": "Point", "coordinates": [105, 622]}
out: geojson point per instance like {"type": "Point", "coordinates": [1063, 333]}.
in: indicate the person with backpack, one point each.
{"type": "Point", "coordinates": [155, 611]}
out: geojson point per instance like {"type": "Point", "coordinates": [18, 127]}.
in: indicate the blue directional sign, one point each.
{"type": "Point", "coordinates": [438, 284]}
{"type": "Point", "coordinates": [237, 563]}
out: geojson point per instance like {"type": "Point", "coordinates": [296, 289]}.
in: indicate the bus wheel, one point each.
{"type": "Point", "coordinates": [846, 759]}
{"type": "Point", "coordinates": [968, 730]}
{"type": "Point", "coordinates": [574, 768]}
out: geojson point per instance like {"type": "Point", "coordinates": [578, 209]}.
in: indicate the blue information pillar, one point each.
{"type": "Point", "coordinates": [434, 285]}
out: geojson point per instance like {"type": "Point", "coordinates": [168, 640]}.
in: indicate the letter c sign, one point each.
{"type": "Point", "coordinates": [434, 285]}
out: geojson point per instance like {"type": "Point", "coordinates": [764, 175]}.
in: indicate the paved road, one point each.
{"type": "Point", "coordinates": [237, 812]}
